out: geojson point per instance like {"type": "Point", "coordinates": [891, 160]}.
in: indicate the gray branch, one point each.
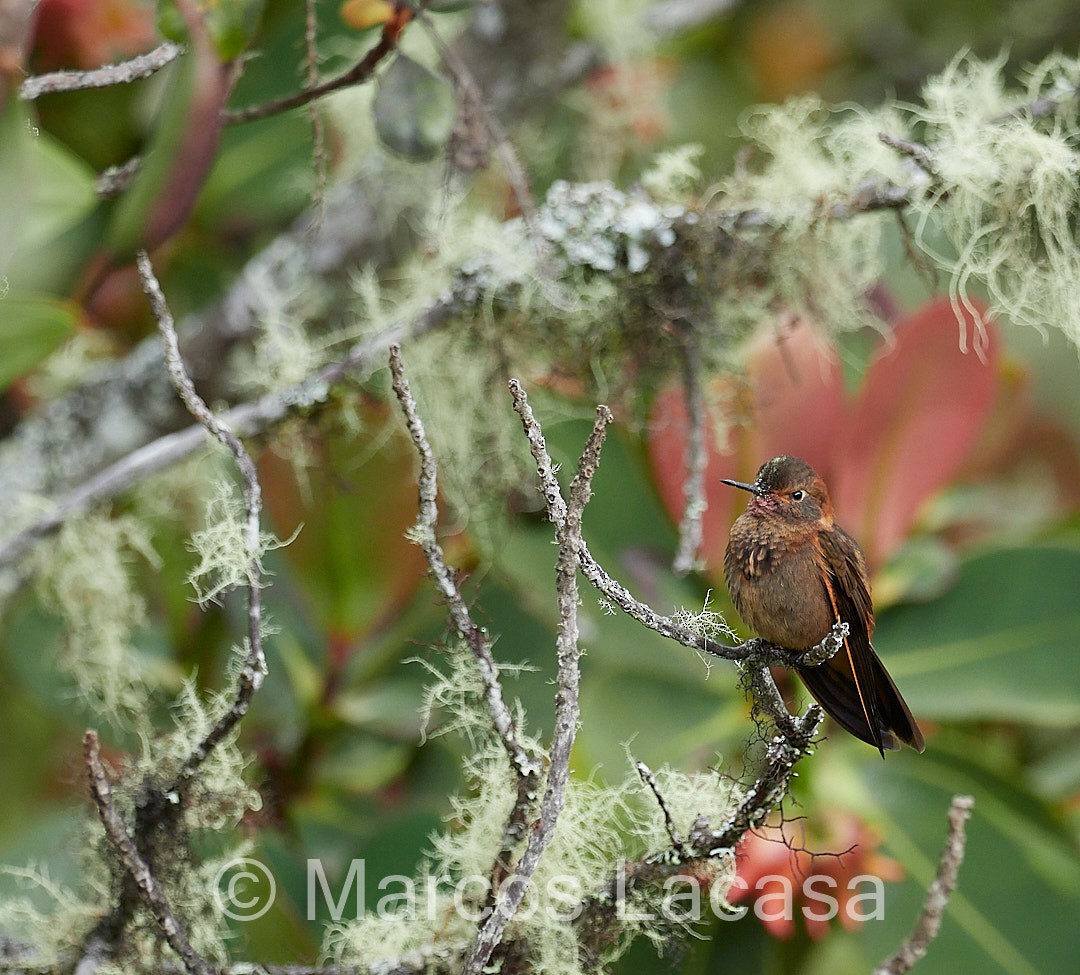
{"type": "Point", "coordinates": [138, 869]}
{"type": "Point", "coordinates": [566, 516]}
{"type": "Point", "coordinates": [695, 504]}
{"type": "Point", "coordinates": [122, 73]}
{"type": "Point", "coordinates": [526, 766]}
{"type": "Point", "coordinates": [928, 924]}
{"type": "Point", "coordinates": [649, 779]}
{"type": "Point", "coordinates": [253, 670]}
{"type": "Point", "coordinates": [599, 914]}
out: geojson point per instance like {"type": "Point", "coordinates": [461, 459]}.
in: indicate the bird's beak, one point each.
{"type": "Point", "coordinates": [752, 488]}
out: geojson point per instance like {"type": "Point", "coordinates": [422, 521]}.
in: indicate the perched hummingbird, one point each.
{"type": "Point", "coordinates": [792, 572]}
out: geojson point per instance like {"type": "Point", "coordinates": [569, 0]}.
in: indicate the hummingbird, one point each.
{"type": "Point", "coordinates": [792, 573]}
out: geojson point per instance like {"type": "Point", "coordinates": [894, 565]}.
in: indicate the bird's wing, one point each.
{"type": "Point", "coordinates": [849, 679]}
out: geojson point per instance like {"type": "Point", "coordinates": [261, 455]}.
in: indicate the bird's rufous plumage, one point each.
{"type": "Point", "coordinates": [792, 572]}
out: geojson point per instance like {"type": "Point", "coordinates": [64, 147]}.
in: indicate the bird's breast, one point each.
{"type": "Point", "coordinates": [775, 581]}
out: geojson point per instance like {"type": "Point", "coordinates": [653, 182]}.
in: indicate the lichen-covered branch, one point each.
{"type": "Point", "coordinates": [649, 779]}
{"type": "Point", "coordinates": [695, 504]}
{"type": "Point", "coordinates": [248, 419]}
{"type": "Point", "coordinates": [526, 766]}
{"type": "Point", "coordinates": [566, 516]}
{"type": "Point", "coordinates": [253, 669]}
{"type": "Point", "coordinates": [138, 869]}
{"type": "Point", "coordinates": [599, 916]}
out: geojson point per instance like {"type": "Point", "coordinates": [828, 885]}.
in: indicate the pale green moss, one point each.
{"type": "Point", "coordinates": [51, 919]}
{"type": "Point", "coordinates": [84, 575]}
{"type": "Point", "coordinates": [221, 547]}
{"type": "Point", "coordinates": [600, 826]}
{"type": "Point", "coordinates": [673, 175]}
{"type": "Point", "coordinates": [815, 267]}
{"type": "Point", "coordinates": [1007, 191]}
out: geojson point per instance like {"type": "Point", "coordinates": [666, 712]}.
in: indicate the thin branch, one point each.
{"type": "Point", "coordinates": [526, 767]}
{"type": "Point", "coordinates": [600, 914]}
{"type": "Point", "coordinates": [695, 503]}
{"type": "Point", "coordinates": [134, 864]}
{"type": "Point", "coordinates": [783, 752]}
{"type": "Point", "coordinates": [868, 196]}
{"type": "Point", "coordinates": [122, 73]}
{"type": "Point", "coordinates": [916, 150]}
{"type": "Point", "coordinates": [254, 669]}
{"type": "Point", "coordinates": [474, 97]}
{"type": "Point", "coordinates": [360, 72]}
{"type": "Point", "coordinates": [566, 517]}
{"type": "Point", "coordinates": [245, 420]}
{"type": "Point", "coordinates": [752, 651]}
{"type": "Point", "coordinates": [318, 134]}
{"type": "Point", "coordinates": [114, 180]}
{"type": "Point", "coordinates": [928, 924]}
{"type": "Point", "coordinates": [649, 779]}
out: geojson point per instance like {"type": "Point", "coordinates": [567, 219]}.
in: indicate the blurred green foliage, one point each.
{"type": "Point", "coordinates": [985, 655]}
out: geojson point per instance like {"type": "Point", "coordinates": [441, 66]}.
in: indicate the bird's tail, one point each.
{"type": "Point", "coordinates": [835, 687]}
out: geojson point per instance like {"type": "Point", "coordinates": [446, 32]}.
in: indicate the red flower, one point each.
{"type": "Point", "coordinates": [777, 872]}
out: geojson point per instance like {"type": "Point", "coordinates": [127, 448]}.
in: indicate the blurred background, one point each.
{"type": "Point", "coordinates": [960, 476]}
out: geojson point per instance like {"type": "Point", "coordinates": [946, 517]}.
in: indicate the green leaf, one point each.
{"type": "Point", "coordinates": [1019, 870]}
{"type": "Point", "coordinates": [59, 205]}
{"type": "Point", "coordinates": [31, 327]}
{"type": "Point", "coordinates": [414, 110]}
{"type": "Point", "coordinates": [1000, 644]}
{"type": "Point", "coordinates": [231, 24]}
{"type": "Point", "coordinates": [16, 174]}
{"type": "Point", "coordinates": [922, 569]}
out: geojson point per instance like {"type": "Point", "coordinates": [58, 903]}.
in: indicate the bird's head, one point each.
{"type": "Point", "coordinates": [788, 488]}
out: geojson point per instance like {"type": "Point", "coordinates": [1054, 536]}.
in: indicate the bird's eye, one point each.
{"type": "Point", "coordinates": [798, 495]}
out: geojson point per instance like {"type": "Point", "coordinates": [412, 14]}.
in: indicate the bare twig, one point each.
{"type": "Point", "coordinates": [134, 864]}
{"type": "Point", "coordinates": [253, 669]}
{"type": "Point", "coordinates": [649, 779]}
{"type": "Point", "coordinates": [508, 157]}
{"type": "Point", "coordinates": [690, 527]}
{"type": "Point", "coordinates": [526, 766]}
{"type": "Point", "coordinates": [318, 140]}
{"type": "Point", "coordinates": [566, 516]}
{"type": "Point", "coordinates": [114, 180]}
{"type": "Point", "coordinates": [928, 924]}
{"type": "Point", "coordinates": [112, 74]}
{"type": "Point", "coordinates": [916, 150]}
{"type": "Point", "coordinates": [360, 72]}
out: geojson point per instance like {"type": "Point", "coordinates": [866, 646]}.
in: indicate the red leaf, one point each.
{"type": "Point", "coordinates": [921, 409]}
{"type": "Point", "coordinates": [798, 395]}
{"type": "Point", "coordinates": [667, 443]}
{"type": "Point", "coordinates": [351, 557]}
{"type": "Point", "coordinates": [793, 405]}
